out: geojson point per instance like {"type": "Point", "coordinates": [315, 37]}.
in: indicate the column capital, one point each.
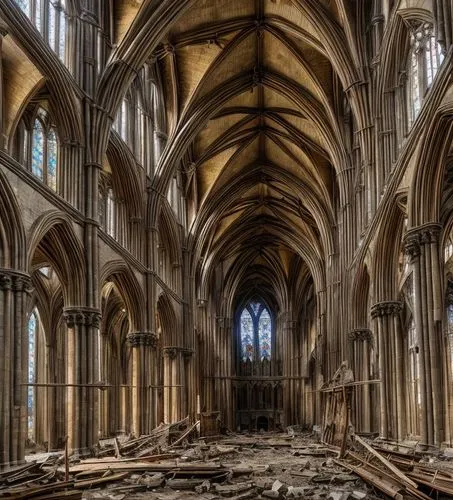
{"type": "Point", "coordinates": [148, 339]}
{"type": "Point", "coordinates": [80, 315]}
{"type": "Point", "coordinates": [386, 308]}
{"type": "Point", "coordinates": [15, 280]}
{"type": "Point", "coordinates": [361, 335]}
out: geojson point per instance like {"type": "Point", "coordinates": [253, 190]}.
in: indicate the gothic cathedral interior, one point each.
{"type": "Point", "coordinates": [211, 205]}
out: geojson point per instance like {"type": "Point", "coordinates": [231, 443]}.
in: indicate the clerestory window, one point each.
{"type": "Point", "coordinates": [425, 57]}
{"type": "Point", "coordinates": [49, 17]}
{"type": "Point", "coordinates": [44, 150]}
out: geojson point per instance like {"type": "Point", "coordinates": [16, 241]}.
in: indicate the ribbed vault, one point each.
{"type": "Point", "coordinates": [255, 129]}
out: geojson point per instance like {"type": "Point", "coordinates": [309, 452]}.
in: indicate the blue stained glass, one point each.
{"type": "Point", "coordinates": [24, 6]}
{"type": "Point", "coordinates": [38, 150]}
{"type": "Point", "coordinates": [52, 159]}
{"type": "Point", "coordinates": [265, 335]}
{"type": "Point", "coordinates": [247, 335]}
{"type": "Point", "coordinates": [32, 324]}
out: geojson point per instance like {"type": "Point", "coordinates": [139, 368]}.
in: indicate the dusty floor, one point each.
{"type": "Point", "coordinates": [281, 467]}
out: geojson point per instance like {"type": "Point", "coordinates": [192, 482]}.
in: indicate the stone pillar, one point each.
{"type": "Point", "coordinates": [422, 246]}
{"type": "Point", "coordinates": [143, 345]}
{"type": "Point", "coordinates": [14, 290]}
{"type": "Point", "coordinates": [390, 373]}
{"type": "Point", "coordinates": [3, 138]}
{"type": "Point", "coordinates": [362, 343]}
{"type": "Point", "coordinates": [82, 395]}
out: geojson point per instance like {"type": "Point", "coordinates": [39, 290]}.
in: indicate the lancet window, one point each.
{"type": "Point", "coordinates": [425, 57]}
{"type": "Point", "coordinates": [49, 17]}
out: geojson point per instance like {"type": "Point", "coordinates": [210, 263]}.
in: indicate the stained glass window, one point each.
{"type": "Point", "coordinates": [44, 154]}
{"type": "Point", "coordinates": [32, 328]}
{"type": "Point", "coordinates": [52, 159]}
{"type": "Point", "coordinates": [49, 17]}
{"type": "Point", "coordinates": [247, 336]}
{"type": "Point", "coordinates": [424, 60]}
{"type": "Point", "coordinates": [264, 335]}
{"type": "Point", "coordinates": [256, 332]}
{"type": "Point", "coordinates": [37, 163]}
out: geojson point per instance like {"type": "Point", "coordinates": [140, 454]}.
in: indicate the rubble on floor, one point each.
{"type": "Point", "coordinates": [172, 463]}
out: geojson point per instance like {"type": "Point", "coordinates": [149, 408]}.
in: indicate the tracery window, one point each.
{"type": "Point", "coordinates": [32, 336]}
{"type": "Point", "coordinates": [49, 17]}
{"type": "Point", "coordinates": [44, 150]}
{"type": "Point", "coordinates": [425, 57]}
{"type": "Point", "coordinates": [255, 333]}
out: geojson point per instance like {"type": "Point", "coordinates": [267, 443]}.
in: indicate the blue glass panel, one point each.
{"type": "Point", "coordinates": [37, 153]}
{"type": "Point", "coordinates": [52, 159]}
{"type": "Point", "coordinates": [247, 335]}
{"type": "Point", "coordinates": [32, 324]}
{"type": "Point", "coordinates": [265, 335]}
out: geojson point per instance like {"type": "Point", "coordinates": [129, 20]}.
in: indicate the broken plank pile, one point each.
{"type": "Point", "coordinates": [398, 475]}
{"type": "Point", "coordinates": [159, 439]}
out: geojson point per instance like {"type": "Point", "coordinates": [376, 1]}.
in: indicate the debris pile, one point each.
{"type": "Point", "coordinates": [172, 463]}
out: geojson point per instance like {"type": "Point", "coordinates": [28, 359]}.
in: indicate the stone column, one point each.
{"type": "Point", "coordinates": [362, 343]}
{"type": "Point", "coordinates": [422, 246]}
{"type": "Point", "coordinates": [143, 384]}
{"type": "Point", "coordinates": [14, 290]}
{"type": "Point", "coordinates": [3, 138]}
{"type": "Point", "coordinates": [390, 373]}
{"type": "Point", "coordinates": [82, 395]}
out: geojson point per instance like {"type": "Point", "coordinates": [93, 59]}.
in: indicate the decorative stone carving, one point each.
{"type": "Point", "coordinates": [361, 335]}
{"type": "Point", "coordinates": [386, 308]}
{"type": "Point", "coordinates": [14, 280]}
{"type": "Point", "coordinates": [78, 316]}
{"type": "Point", "coordinates": [170, 352]}
{"type": "Point", "coordinates": [148, 339]}
{"type": "Point", "coordinates": [421, 235]}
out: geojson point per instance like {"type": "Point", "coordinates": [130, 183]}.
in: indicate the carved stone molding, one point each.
{"type": "Point", "coordinates": [361, 335]}
{"type": "Point", "coordinates": [173, 351]}
{"type": "Point", "coordinates": [78, 316]}
{"type": "Point", "coordinates": [16, 281]}
{"type": "Point", "coordinates": [148, 339]}
{"type": "Point", "coordinates": [386, 308]}
{"type": "Point", "coordinates": [421, 235]}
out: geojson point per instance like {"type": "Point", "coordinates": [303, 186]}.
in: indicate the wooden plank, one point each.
{"type": "Point", "coordinates": [388, 464]}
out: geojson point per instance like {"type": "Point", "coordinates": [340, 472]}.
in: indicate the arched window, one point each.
{"type": "Point", "coordinates": [107, 205]}
{"type": "Point", "coordinates": [425, 57]}
{"type": "Point", "coordinates": [32, 335]}
{"type": "Point", "coordinates": [44, 150]}
{"type": "Point", "coordinates": [256, 333]}
{"type": "Point", "coordinates": [49, 17]}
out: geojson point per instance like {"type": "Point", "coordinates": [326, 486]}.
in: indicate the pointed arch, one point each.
{"type": "Point", "coordinates": [54, 234]}
{"type": "Point", "coordinates": [128, 287]}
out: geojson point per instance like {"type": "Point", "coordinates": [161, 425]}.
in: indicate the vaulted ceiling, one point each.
{"type": "Point", "coordinates": [265, 162]}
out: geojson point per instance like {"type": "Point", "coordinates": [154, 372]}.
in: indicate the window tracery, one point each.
{"type": "Point", "coordinates": [44, 150]}
{"type": "Point", "coordinates": [425, 58]}
{"type": "Point", "coordinates": [49, 17]}
{"type": "Point", "coordinates": [256, 333]}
